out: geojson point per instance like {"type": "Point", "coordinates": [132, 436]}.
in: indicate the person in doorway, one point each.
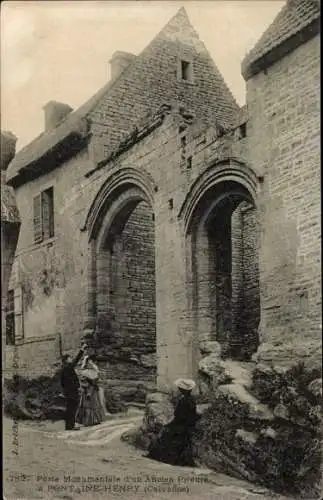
{"type": "Point", "coordinates": [91, 411]}
{"type": "Point", "coordinates": [174, 444]}
{"type": "Point", "coordinates": [71, 388]}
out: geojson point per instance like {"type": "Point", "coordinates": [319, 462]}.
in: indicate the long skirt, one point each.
{"type": "Point", "coordinates": [173, 446]}
{"type": "Point", "coordinates": [90, 410]}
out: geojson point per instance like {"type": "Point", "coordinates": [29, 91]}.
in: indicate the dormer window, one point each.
{"type": "Point", "coordinates": [241, 131]}
{"type": "Point", "coordinates": [186, 71]}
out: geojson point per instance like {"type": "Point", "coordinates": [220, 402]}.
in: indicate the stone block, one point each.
{"type": "Point", "coordinates": [159, 412]}
{"type": "Point", "coordinates": [210, 347]}
{"type": "Point", "coordinates": [269, 432]}
{"type": "Point", "coordinates": [238, 372]}
{"type": "Point", "coordinates": [260, 412]}
{"type": "Point", "coordinates": [246, 436]}
{"type": "Point", "coordinates": [155, 397]}
{"type": "Point", "coordinates": [148, 360]}
{"type": "Point", "coordinates": [315, 387]}
{"type": "Point", "coordinates": [237, 392]}
{"type": "Point", "coordinates": [281, 411]}
{"type": "Point", "coordinates": [213, 367]}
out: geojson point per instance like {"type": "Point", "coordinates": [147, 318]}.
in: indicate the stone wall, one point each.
{"type": "Point", "coordinates": [128, 346]}
{"type": "Point", "coordinates": [245, 279]}
{"type": "Point", "coordinates": [251, 293]}
{"type": "Point", "coordinates": [50, 277]}
{"type": "Point", "coordinates": [33, 357]}
{"type": "Point", "coordinates": [283, 141]}
{"type": "Point", "coordinates": [10, 226]}
{"type": "Point", "coordinates": [133, 298]}
{"type": "Point", "coordinates": [281, 148]}
{"type": "Point", "coordinates": [237, 269]}
{"type": "Point", "coordinates": [153, 79]}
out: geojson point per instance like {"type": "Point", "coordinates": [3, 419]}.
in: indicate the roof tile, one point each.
{"type": "Point", "coordinates": [293, 18]}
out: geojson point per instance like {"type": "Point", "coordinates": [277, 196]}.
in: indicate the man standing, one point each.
{"type": "Point", "coordinates": [71, 388]}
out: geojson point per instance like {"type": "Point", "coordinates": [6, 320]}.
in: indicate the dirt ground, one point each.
{"type": "Point", "coordinates": [44, 461]}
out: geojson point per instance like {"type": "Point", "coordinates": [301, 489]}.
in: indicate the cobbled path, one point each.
{"type": "Point", "coordinates": [47, 454]}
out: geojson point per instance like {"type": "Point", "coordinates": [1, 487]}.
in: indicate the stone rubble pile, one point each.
{"type": "Point", "coordinates": [260, 422]}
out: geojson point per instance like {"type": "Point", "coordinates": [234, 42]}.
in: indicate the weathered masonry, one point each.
{"type": "Point", "coordinates": [160, 219]}
{"type": "Point", "coordinates": [10, 224]}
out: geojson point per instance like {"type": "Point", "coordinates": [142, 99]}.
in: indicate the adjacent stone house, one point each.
{"type": "Point", "coordinates": [10, 224]}
{"type": "Point", "coordinates": [162, 221]}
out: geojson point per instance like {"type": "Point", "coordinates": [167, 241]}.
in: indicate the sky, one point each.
{"type": "Point", "coordinates": [60, 50]}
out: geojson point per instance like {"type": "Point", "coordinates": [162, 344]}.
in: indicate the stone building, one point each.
{"type": "Point", "coordinates": [10, 224]}
{"type": "Point", "coordinates": [160, 218]}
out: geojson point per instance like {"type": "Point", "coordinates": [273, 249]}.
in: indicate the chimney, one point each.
{"type": "Point", "coordinates": [120, 61]}
{"type": "Point", "coordinates": [55, 112]}
{"type": "Point", "coordinates": [8, 148]}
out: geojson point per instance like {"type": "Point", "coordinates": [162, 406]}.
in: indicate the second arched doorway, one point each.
{"type": "Point", "coordinates": [223, 239]}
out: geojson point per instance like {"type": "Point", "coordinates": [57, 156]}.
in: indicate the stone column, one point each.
{"type": "Point", "coordinates": [204, 288]}
{"type": "Point", "coordinates": [174, 341]}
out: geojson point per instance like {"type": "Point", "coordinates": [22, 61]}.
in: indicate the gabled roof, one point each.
{"type": "Point", "coordinates": [296, 17]}
{"type": "Point", "coordinates": [141, 87]}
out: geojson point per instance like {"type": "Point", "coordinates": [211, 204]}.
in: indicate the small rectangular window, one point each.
{"type": "Point", "coordinates": [10, 318]}
{"type": "Point", "coordinates": [48, 213]}
{"type": "Point", "coordinates": [38, 229]}
{"type": "Point", "coordinates": [186, 71]}
{"type": "Point", "coordinates": [44, 215]}
{"type": "Point", "coordinates": [189, 163]}
{"type": "Point", "coordinates": [243, 130]}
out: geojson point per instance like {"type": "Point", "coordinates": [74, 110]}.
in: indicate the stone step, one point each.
{"type": "Point", "coordinates": [240, 372]}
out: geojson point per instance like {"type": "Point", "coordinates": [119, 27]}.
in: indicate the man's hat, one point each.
{"type": "Point", "coordinates": [185, 384]}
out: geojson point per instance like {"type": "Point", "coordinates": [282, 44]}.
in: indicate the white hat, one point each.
{"type": "Point", "coordinates": [186, 384]}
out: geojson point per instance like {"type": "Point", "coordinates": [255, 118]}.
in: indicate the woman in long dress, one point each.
{"type": "Point", "coordinates": [174, 444]}
{"type": "Point", "coordinates": [90, 411]}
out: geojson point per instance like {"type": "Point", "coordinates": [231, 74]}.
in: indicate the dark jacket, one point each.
{"type": "Point", "coordinates": [69, 380]}
{"type": "Point", "coordinates": [185, 414]}
{"type": "Point", "coordinates": [174, 443]}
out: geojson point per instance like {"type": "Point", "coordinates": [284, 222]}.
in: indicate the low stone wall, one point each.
{"type": "Point", "coordinates": [33, 357]}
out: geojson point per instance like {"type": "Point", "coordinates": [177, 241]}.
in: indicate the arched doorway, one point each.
{"type": "Point", "coordinates": [223, 238]}
{"type": "Point", "coordinates": [122, 286]}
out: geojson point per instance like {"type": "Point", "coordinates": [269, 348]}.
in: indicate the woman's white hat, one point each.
{"type": "Point", "coordinates": [185, 383]}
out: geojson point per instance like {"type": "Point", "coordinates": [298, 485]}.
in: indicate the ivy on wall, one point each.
{"type": "Point", "coordinates": [27, 289]}
{"type": "Point", "coordinates": [41, 280]}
